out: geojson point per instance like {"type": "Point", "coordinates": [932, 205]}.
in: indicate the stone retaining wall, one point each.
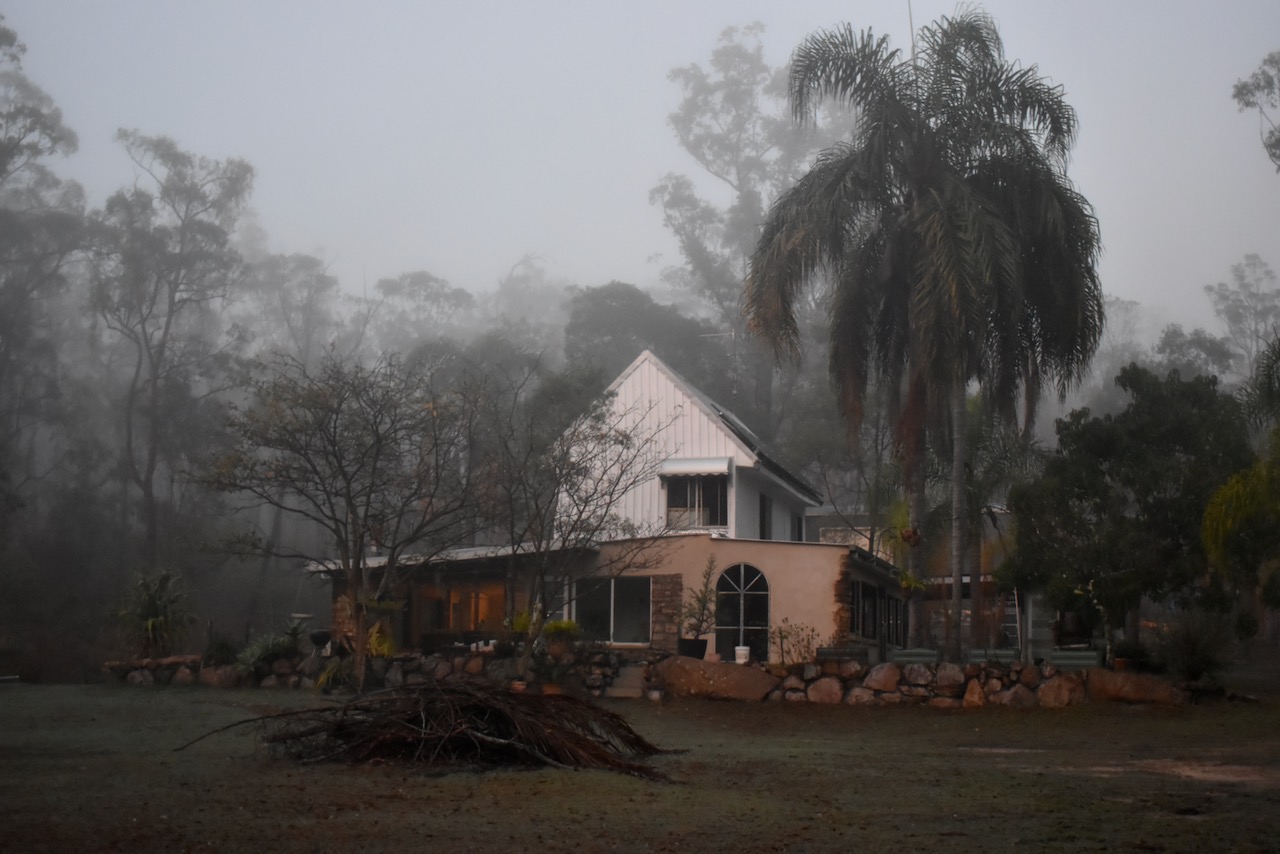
{"type": "Point", "coordinates": [942, 686]}
{"type": "Point", "coordinates": [595, 670]}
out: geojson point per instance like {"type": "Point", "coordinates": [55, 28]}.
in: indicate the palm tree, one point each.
{"type": "Point", "coordinates": [958, 249]}
{"type": "Point", "coordinates": [1260, 393]}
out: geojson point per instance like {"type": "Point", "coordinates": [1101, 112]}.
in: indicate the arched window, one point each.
{"type": "Point", "coordinates": [742, 612]}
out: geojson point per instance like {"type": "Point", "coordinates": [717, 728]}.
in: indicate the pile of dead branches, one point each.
{"type": "Point", "coordinates": [457, 722]}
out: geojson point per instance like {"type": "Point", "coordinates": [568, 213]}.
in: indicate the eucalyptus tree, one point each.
{"type": "Point", "coordinates": [1249, 309]}
{"type": "Point", "coordinates": [41, 227]}
{"type": "Point", "coordinates": [1261, 92]}
{"type": "Point", "coordinates": [292, 306]}
{"type": "Point", "coordinates": [732, 121]}
{"type": "Point", "coordinates": [958, 249]}
{"type": "Point", "coordinates": [415, 308]}
{"type": "Point", "coordinates": [163, 267]}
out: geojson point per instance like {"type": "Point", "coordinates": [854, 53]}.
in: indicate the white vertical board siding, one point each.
{"type": "Point", "coordinates": [654, 400]}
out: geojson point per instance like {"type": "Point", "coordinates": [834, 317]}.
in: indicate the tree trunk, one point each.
{"type": "Point", "coordinates": [916, 552]}
{"type": "Point", "coordinates": [980, 633]}
{"type": "Point", "coordinates": [958, 451]}
{"type": "Point", "coordinates": [359, 643]}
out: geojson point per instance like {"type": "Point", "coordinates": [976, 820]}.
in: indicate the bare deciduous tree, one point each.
{"type": "Point", "coordinates": [377, 457]}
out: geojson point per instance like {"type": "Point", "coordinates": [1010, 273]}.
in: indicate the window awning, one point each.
{"type": "Point", "coordinates": [696, 465]}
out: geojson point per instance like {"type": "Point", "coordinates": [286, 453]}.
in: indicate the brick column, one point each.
{"type": "Point", "coordinates": [666, 593]}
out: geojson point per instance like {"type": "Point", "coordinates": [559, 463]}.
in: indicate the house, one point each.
{"type": "Point", "coordinates": [719, 500]}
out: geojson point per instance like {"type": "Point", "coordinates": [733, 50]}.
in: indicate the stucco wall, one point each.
{"type": "Point", "coordinates": [802, 576]}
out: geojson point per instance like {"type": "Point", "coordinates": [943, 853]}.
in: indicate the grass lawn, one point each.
{"type": "Point", "coordinates": [93, 768]}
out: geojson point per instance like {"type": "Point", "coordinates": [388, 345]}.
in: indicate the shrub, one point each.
{"type": "Point", "coordinates": [156, 616]}
{"type": "Point", "coordinates": [256, 658]}
{"type": "Point", "coordinates": [796, 642]}
{"type": "Point", "coordinates": [1195, 644]}
{"type": "Point", "coordinates": [698, 613]}
{"type": "Point", "coordinates": [219, 652]}
{"type": "Point", "coordinates": [566, 629]}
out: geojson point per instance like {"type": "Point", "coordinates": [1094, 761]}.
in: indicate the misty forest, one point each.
{"type": "Point", "coordinates": [899, 300]}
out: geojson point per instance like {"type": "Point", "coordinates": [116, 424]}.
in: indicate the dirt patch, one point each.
{"type": "Point", "coordinates": [1252, 775]}
{"type": "Point", "coordinates": [93, 768]}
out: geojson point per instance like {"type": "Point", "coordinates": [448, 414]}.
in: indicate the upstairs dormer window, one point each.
{"type": "Point", "coordinates": [699, 501]}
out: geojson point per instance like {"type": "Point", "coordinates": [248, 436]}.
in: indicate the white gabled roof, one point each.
{"type": "Point", "coordinates": [702, 431]}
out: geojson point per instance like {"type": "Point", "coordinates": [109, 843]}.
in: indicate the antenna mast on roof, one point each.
{"type": "Point", "coordinates": [911, 22]}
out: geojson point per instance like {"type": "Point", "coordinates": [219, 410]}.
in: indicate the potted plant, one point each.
{"type": "Point", "coordinates": [559, 635]}
{"type": "Point", "coordinates": [698, 614]}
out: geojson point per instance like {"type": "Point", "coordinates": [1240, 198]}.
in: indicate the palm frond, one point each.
{"type": "Point", "coordinates": [856, 68]}
{"type": "Point", "coordinates": [1260, 393]}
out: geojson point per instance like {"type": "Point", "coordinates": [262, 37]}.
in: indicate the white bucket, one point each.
{"type": "Point", "coordinates": [742, 654]}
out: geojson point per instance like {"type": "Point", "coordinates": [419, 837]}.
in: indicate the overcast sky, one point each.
{"type": "Point", "coordinates": [455, 137]}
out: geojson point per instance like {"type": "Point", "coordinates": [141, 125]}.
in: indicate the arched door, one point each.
{"type": "Point", "coordinates": [742, 612]}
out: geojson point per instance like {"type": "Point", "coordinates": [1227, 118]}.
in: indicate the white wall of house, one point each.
{"type": "Point", "coordinates": [696, 443]}
{"type": "Point", "coordinates": [783, 507]}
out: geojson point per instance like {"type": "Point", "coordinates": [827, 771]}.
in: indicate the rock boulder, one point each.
{"type": "Point", "coordinates": [828, 689]}
{"type": "Point", "coordinates": [1105, 684]}
{"type": "Point", "coordinates": [688, 677]}
{"type": "Point", "coordinates": [883, 677]}
{"type": "Point", "coordinates": [1061, 691]}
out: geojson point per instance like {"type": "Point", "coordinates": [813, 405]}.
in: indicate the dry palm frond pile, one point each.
{"type": "Point", "coordinates": [457, 722]}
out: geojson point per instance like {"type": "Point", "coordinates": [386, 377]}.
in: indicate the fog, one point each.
{"type": "Point", "coordinates": [457, 138]}
{"type": "Point", "coordinates": [502, 183]}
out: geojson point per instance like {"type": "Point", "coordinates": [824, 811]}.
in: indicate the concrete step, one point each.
{"type": "Point", "coordinates": [628, 683]}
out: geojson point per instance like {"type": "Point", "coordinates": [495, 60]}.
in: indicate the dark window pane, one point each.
{"type": "Point", "coordinates": [716, 501]}
{"type": "Point", "coordinates": [678, 492]}
{"type": "Point", "coordinates": [758, 640]}
{"type": "Point", "coordinates": [592, 609]}
{"type": "Point", "coordinates": [728, 610]}
{"type": "Point", "coordinates": [631, 610]}
{"type": "Point", "coordinates": [755, 609]}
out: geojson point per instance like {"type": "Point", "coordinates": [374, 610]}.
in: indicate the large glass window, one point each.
{"type": "Point", "coordinates": [742, 612]}
{"type": "Point", "coordinates": [766, 517]}
{"type": "Point", "coordinates": [614, 610]}
{"type": "Point", "coordinates": [463, 606]}
{"type": "Point", "coordinates": [864, 616]}
{"type": "Point", "coordinates": [698, 502]}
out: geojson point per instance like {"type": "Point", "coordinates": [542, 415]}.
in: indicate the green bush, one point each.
{"type": "Point", "coordinates": [219, 652]}
{"type": "Point", "coordinates": [156, 615]}
{"type": "Point", "coordinates": [257, 657]}
{"type": "Point", "coordinates": [566, 629]}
